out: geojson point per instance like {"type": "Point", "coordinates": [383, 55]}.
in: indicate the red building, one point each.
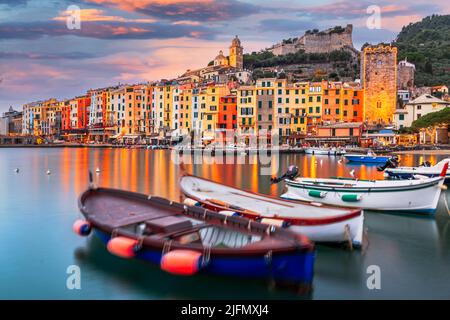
{"type": "Point", "coordinates": [65, 116]}
{"type": "Point", "coordinates": [227, 112]}
{"type": "Point", "coordinates": [83, 104]}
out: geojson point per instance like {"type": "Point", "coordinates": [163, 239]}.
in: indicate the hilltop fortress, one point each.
{"type": "Point", "coordinates": [315, 41]}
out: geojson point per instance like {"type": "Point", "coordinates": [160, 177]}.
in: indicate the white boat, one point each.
{"type": "Point", "coordinates": [421, 196]}
{"type": "Point", "coordinates": [423, 170]}
{"type": "Point", "coordinates": [318, 222]}
{"type": "Point", "coordinates": [325, 151]}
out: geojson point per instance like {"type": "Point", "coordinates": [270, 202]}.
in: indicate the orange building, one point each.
{"type": "Point", "coordinates": [227, 112]}
{"type": "Point", "coordinates": [342, 103]}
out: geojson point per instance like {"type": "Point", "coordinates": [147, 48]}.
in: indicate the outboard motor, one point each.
{"type": "Point", "coordinates": [390, 163]}
{"type": "Point", "coordinates": [426, 164]}
{"type": "Point", "coordinates": [290, 174]}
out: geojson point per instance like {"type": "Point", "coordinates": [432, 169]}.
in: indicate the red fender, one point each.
{"type": "Point", "coordinates": [181, 262]}
{"type": "Point", "coordinates": [122, 247]}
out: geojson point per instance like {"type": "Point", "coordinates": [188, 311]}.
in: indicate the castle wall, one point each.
{"type": "Point", "coordinates": [323, 42]}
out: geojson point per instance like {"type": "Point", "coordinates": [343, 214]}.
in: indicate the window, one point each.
{"type": "Point", "coordinates": [326, 101]}
{"type": "Point", "coordinates": [317, 109]}
{"type": "Point", "coordinates": [310, 109]}
{"type": "Point", "coordinates": [419, 107]}
{"type": "Point", "coordinates": [310, 99]}
{"type": "Point", "coordinates": [355, 113]}
{"type": "Point", "coordinates": [270, 104]}
{"type": "Point", "coordinates": [259, 117]}
{"type": "Point", "coordinates": [259, 104]}
{"type": "Point", "coordinates": [351, 132]}
{"type": "Point", "coordinates": [401, 117]}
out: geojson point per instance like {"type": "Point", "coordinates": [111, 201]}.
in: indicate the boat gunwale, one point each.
{"type": "Point", "coordinates": [304, 202]}
{"type": "Point", "coordinates": [293, 243]}
{"type": "Point", "coordinates": [309, 186]}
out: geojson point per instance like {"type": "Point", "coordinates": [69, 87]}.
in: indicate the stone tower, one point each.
{"type": "Point", "coordinates": [379, 77]}
{"type": "Point", "coordinates": [405, 77]}
{"type": "Point", "coordinates": [236, 54]}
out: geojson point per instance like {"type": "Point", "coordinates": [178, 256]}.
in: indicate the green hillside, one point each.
{"type": "Point", "coordinates": [427, 45]}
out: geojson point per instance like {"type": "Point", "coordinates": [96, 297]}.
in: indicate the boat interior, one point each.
{"type": "Point", "coordinates": [265, 206]}
{"type": "Point", "coordinates": [161, 220]}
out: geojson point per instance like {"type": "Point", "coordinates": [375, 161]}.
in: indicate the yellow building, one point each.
{"type": "Point", "coordinates": [298, 107]}
{"type": "Point", "coordinates": [185, 109]}
{"type": "Point", "coordinates": [209, 108]}
{"type": "Point", "coordinates": [246, 109]}
{"type": "Point", "coordinates": [313, 106]}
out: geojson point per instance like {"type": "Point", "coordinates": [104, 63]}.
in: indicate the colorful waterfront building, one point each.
{"type": "Point", "coordinates": [282, 119]}
{"type": "Point", "coordinates": [265, 90]}
{"type": "Point", "coordinates": [297, 109]}
{"type": "Point", "coordinates": [342, 103]}
{"type": "Point", "coordinates": [313, 107]}
{"type": "Point", "coordinates": [185, 108]}
{"type": "Point", "coordinates": [246, 110]}
{"type": "Point", "coordinates": [227, 118]}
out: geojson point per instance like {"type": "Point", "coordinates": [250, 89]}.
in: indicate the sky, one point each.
{"type": "Point", "coordinates": [125, 41]}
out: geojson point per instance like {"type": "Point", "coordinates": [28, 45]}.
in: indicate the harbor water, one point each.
{"type": "Point", "coordinates": [37, 245]}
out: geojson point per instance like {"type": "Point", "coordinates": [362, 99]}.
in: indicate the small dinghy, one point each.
{"type": "Point", "coordinates": [186, 240]}
{"type": "Point", "coordinates": [370, 157]}
{"type": "Point", "coordinates": [318, 222]}
{"type": "Point", "coordinates": [411, 196]}
{"type": "Point", "coordinates": [424, 170]}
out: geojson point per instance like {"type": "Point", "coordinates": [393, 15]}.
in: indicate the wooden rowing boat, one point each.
{"type": "Point", "coordinates": [318, 222]}
{"type": "Point", "coordinates": [186, 240]}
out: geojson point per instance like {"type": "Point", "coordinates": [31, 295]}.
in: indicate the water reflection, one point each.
{"type": "Point", "coordinates": [413, 252]}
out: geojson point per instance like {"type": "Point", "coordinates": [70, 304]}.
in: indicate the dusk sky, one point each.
{"type": "Point", "coordinates": [138, 41]}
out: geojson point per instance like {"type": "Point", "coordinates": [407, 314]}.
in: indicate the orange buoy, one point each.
{"type": "Point", "coordinates": [181, 262]}
{"type": "Point", "coordinates": [82, 227]}
{"type": "Point", "coordinates": [122, 247]}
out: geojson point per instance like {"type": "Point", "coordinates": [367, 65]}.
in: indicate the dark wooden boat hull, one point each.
{"type": "Point", "coordinates": [285, 260]}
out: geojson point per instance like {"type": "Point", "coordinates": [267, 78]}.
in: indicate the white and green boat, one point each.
{"type": "Point", "coordinates": [421, 196]}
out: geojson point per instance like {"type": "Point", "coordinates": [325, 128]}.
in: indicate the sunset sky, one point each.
{"type": "Point", "coordinates": [137, 41]}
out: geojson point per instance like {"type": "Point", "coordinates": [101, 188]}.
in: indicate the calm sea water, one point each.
{"type": "Point", "coordinates": [37, 243]}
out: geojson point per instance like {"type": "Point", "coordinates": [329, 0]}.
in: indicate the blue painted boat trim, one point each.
{"type": "Point", "coordinates": [295, 268]}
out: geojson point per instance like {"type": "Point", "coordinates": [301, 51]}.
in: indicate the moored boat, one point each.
{"type": "Point", "coordinates": [185, 240]}
{"type": "Point", "coordinates": [325, 151]}
{"type": "Point", "coordinates": [421, 196]}
{"type": "Point", "coordinates": [370, 157]}
{"type": "Point", "coordinates": [424, 170]}
{"type": "Point", "coordinates": [318, 222]}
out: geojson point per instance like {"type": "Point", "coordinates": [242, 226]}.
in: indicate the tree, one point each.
{"type": "Point", "coordinates": [431, 121]}
{"type": "Point", "coordinates": [429, 67]}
